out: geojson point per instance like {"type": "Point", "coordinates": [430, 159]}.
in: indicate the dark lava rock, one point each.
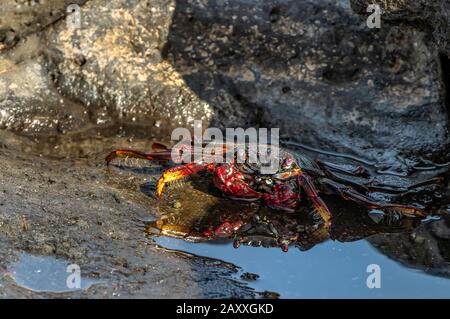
{"type": "Point", "coordinates": [432, 16]}
{"type": "Point", "coordinates": [315, 70]}
{"type": "Point", "coordinates": [29, 104]}
{"type": "Point", "coordinates": [113, 65]}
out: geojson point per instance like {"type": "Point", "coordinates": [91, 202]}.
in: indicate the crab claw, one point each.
{"type": "Point", "coordinates": [288, 174]}
{"type": "Point", "coordinates": [176, 173]}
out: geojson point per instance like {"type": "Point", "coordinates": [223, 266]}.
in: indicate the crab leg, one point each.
{"type": "Point", "coordinates": [126, 153]}
{"type": "Point", "coordinates": [350, 194]}
{"type": "Point", "coordinates": [177, 173]}
{"type": "Point", "coordinates": [320, 206]}
{"type": "Point", "coordinates": [330, 171]}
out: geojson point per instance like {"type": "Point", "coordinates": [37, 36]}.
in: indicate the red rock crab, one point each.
{"type": "Point", "coordinates": [298, 179]}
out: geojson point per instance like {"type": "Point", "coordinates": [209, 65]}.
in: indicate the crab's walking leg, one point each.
{"type": "Point", "coordinates": [177, 173]}
{"type": "Point", "coordinates": [126, 153]}
{"type": "Point", "coordinates": [330, 171]}
{"type": "Point", "coordinates": [320, 206]}
{"type": "Point", "coordinates": [359, 171]}
{"type": "Point", "coordinates": [350, 194]}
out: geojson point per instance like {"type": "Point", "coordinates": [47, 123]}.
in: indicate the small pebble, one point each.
{"type": "Point", "coordinates": [249, 276]}
{"type": "Point", "coordinates": [177, 205]}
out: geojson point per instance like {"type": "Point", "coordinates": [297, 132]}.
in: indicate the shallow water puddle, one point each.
{"type": "Point", "coordinates": [329, 270]}
{"type": "Point", "coordinates": [47, 274]}
{"type": "Point", "coordinates": [199, 223]}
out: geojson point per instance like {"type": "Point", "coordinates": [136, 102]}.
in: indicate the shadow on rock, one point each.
{"type": "Point", "coordinates": [426, 248]}
{"type": "Point", "coordinates": [316, 71]}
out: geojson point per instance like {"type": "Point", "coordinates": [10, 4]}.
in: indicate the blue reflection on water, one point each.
{"type": "Point", "coordinates": [329, 270]}
{"type": "Point", "coordinates": [44, 274]}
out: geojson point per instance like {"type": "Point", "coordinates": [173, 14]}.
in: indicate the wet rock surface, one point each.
{"type": "Point", "coordinates": [432, 16]}
{"type": "Point", "coordinates": [113, 65]}
{"type": "Point", "coordinates": [107, 71]}
{"type": "Point", "coordinates": [20, 18]}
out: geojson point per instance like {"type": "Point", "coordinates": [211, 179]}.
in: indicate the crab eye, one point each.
{"type": "Point", "coordinates": [287, 163]}
{"type": "Point", "coordinates": [269, 181]}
